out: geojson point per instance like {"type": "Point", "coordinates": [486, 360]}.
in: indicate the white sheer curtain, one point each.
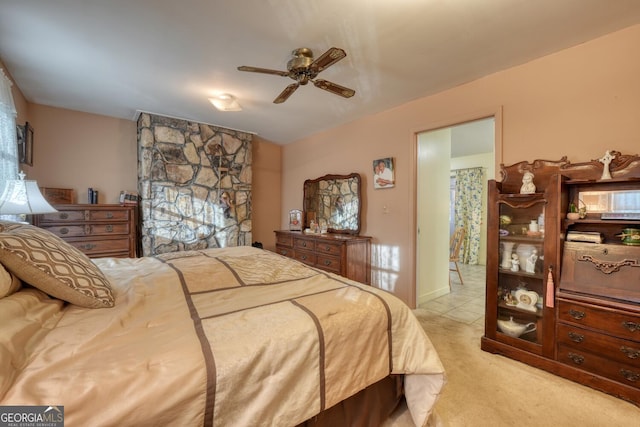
{"type": "Point", "coordinates": [8, 141]}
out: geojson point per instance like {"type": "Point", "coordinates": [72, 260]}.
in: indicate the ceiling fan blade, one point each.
{"type": "Point", "coordinates": [327, 59]}
{"type": "Point", "coordinates": [334, 88]}
{"type": "Point", "coordinates": [263, 70]}
{"type": "Point", "coordinates": [286, 93]}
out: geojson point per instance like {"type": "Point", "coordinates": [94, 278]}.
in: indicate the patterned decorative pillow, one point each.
{"type": "Point", "coordinates": [50, 264]}
{"type": "Point", "coordinates": [9, 282]}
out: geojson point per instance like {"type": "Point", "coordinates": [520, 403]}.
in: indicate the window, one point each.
{"type": "Point", "coordinates": [8, 142]}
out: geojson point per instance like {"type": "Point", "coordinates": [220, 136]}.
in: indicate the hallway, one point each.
{"type": "Point", "coordinates": [466, 302]}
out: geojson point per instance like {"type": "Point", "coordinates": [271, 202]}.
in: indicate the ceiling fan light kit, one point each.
{"type": "Point", "coordinates": [303, 68]}
{"type": "Point", "coordinates": [225, 102]}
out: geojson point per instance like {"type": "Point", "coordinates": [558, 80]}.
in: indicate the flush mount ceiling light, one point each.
{"type": "Point", "coordinates": [225, 102]}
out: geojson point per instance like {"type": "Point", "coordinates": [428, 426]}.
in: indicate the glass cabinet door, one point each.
{"type": "Point", "coordinates": [521, 278]}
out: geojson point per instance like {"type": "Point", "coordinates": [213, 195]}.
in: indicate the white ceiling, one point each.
{"type": "Point", "coordinates": [117, 57]}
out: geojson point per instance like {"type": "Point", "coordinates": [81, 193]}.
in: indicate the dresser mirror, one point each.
{"type": "Point", "coordinates": [333, 203]}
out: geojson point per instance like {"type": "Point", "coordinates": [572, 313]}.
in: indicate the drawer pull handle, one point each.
{"type": "Point", "coordinates": [304, 257]}
{"type": "Point", "coordinates": [304, 244]}
{"type": "Point", "coordinates": [327, 248]}
{"type": "Point", "coordinates": [64, 230]}
{"type": "Point", "coordinates": [327, 262]}
{"type": "Point", "coordinates": [109, 228]}
{"type": "Point", "coordinates": [64, 215]}
{"type": "Point", "coordinates": [283, 252]}
{"type": "Point", "coordinates": [631, 326]}
{"type": "Point", "coordinates": [576, 358]}
{"type": "Point", "coordinates": [631, 353]}
{"type": "Point", "coordinates": [576, 337]}
{"type": "Point", "coordinates": [630, 375]}
{"type": "Point", "coordinates": [578, 315]}
{"type": "Point", "coordinates": [109, 215]}
{"type": "Point", "coordinates": [608, 267]}
{"type": "Point", "coordinates": [88, 246]}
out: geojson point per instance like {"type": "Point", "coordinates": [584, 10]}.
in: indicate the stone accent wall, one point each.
{"type": "Point", "coordinates": [194, 182]}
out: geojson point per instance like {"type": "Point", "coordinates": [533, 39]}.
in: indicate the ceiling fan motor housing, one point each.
{"type": "Point", "coordinates": [298, 66]}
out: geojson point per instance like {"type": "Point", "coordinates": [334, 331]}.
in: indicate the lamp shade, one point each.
{"type": "Point", "coordinates": [21, 196]}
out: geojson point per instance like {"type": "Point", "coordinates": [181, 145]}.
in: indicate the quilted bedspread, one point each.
{"type": "Point", "coordinates": [223, 337]}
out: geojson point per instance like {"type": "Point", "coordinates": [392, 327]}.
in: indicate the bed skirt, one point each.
{"type": "Point", "coordinates": [368, 408]}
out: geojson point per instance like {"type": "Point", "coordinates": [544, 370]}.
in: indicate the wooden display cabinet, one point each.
{"type": "Point", "coordinates": [522, 235]}
{"type": "Point", "coordinates": [588, 327]}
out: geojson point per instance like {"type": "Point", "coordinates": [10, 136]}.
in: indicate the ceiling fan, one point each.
{"type": "Point", "coordinates": [304, 69]}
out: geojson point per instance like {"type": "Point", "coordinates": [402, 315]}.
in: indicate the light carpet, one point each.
{"type": "Point", "coordinates": [485, 389]}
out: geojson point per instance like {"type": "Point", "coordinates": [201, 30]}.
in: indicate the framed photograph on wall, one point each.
{"type": "Point", "coordinates": [384, 173]}
{"type": "Point", "coordinates": [25, 144]}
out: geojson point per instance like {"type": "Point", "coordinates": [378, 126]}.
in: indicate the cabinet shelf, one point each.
{"type": "Point", "coordinates": [522, 239]}
{"type": "Point", "coordinates": [598, 221]}
{"type": "Point", "coordinates": [521, 273]}
{"type": "Point", "coordinates": [504, 306]}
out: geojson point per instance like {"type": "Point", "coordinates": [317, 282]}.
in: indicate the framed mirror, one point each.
{"type": "Point", "coordinates": [333, 202]}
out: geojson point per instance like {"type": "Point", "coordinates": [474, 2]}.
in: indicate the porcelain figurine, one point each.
{"type": "Point", "coordinates": [606, 161]}
{"type": "Point", "coordinates": [528, 187]}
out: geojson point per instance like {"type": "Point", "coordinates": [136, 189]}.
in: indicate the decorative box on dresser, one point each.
{"type": "Point", "coordinates": [593, 291]}
{"type": "Point", "coordinates": [98, 230]}
{"type": "Point", "coordinates": [344, 254]}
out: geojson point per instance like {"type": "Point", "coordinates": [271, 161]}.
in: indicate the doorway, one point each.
{"type": "Point", "coordinates": [440, 151]}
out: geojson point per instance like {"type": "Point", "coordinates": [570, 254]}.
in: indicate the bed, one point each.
{"type": "Point", "coordinates": [219, 337]}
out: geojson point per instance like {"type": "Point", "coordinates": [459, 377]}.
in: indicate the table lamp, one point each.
{"type": "Point", "coordinates": [22, 197]}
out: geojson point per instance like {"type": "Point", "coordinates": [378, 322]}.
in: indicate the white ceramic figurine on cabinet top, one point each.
{"type": "Point", "coordinates": [528, 187]}
{"type": "Point", "coordinates": [606, 161]}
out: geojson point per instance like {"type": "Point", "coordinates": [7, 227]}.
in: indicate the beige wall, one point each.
{"type": "Point", "coordinates": [578, 102]}
{"type": "Point", "coordinates": [80, 150]}
{"type": "Point", "coordinates": [266, 186]}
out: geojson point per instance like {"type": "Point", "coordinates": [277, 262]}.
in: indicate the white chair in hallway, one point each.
{"type": "Point", "coordinates": [454, 252]}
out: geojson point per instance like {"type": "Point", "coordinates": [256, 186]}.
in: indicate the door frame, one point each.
{"type": "Point", "coordinates": [496, 113]}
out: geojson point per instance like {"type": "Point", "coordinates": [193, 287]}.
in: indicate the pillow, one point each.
{"type": "Point", "coordinates": [50, 264]}
{"type": "Point", "coordinates": [9, 282]}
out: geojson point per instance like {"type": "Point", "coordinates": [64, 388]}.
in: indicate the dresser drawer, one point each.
{"type": "Point", "coordinates": [620, 350]}
{"type": "Point", "coordinates": [284, 250]}
{"type": "Point", "coordinates": [306, 244]}
{"type": "Point", "coordinates": [329, 263]}
{"type": "Point", "coordinates": [89, 230]}
{"type": "Point", "coordinates": [108, 215]}
{"type": "Point", "coordinates": [615, 322]}
{"type": "Point", "coordinates": [105, 247]}
{"type": "Point", "coordinates": [623, 373]}
{"type": "Point", "coordinates": [88, 214]}
{"type": "Point", "coordinates": [62, 216]}
{"type": "Point", "coordinates": [305, 256]}
{"type": "Point", "coordinates": [329, 248]}
{"type": "Point", "coordinates": [284, 240]}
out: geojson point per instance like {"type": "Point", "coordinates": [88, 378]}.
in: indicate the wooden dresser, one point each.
{"type": "Point", "coordinates": [344, 254]}
{"type": "Point", "coordinates": [99, 230]}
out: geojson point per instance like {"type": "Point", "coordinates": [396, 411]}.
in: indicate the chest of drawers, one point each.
{"type": "Point", "coordinates": [603, 340]}
{"type": "Point", "coordinates": [343, 254]}
{"type": "Point", "coordinates": [100, 230]}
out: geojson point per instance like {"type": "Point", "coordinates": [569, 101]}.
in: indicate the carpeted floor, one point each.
{"type": "Point", "coordinates": [484, 389]}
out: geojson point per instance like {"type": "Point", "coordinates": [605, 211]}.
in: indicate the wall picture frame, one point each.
{"type": "Point", "coordinates": [25, 144]}
{"type": "Point", "coordinates": [384, 173]}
